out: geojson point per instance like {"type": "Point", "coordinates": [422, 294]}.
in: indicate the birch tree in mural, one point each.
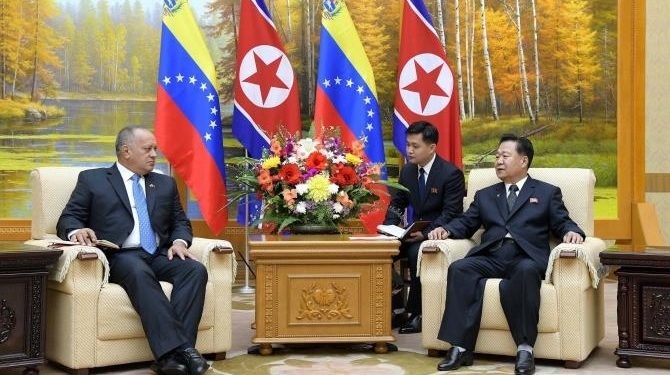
{"type": "Point", "coordinates": [487, 63]}
{"type": "Point", "coordinates": [515, 19]}
{"type": "Point", "coordinates": [459, 67]}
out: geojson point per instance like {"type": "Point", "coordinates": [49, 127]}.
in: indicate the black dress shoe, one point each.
{"type": "Point", "coordinates": [170, 365]}
{"type": "Point", "coordinates": [195, 363]}
{"type": "Point", "coordinates": [525, 363]}
{"type": "Point", "coordinates": [455, 359]}
{"type": "Point", "coordinates": [413, 325]}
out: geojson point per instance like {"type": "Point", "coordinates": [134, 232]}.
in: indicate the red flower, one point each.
{"type": "Point", "coordinates": [343, 175]}
{"type": "Point", "coordinates": [290, 174]}
{"type": "Point", "coordinates": [316, 160]}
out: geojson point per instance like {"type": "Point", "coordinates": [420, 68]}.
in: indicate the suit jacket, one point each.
{"type": "Point", "coordinates": [100, 201]}
{"type": "Point", "coordinates": [538, 213]}
{"type": "Point", "coordinates": [445, 188]}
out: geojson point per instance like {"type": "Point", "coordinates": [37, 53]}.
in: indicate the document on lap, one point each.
{"type": "Point", "coordinates": [402, 233]}
{"type": "Point", "coordinates": [104, 244]}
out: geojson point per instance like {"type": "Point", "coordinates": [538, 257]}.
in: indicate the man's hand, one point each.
{"type": "Point", "coordinates": [572, 237]}
{"type": "Point", "coordinates": [438, 233]}
{"type": "Point", "coordinates": [84, 236]}
{"type": "Point", "coordinates": [414, 237]}
{"type": "Point", "coordinates": [179, 249]}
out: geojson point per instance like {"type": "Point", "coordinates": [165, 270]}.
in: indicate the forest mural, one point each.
{"type": "Point", "coordinates": [546, 68]}
{"type": "Point", "coordinates": [528, 58]}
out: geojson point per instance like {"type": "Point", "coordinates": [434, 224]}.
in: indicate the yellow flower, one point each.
{"type": "Point", "coordinates": [271, 162]}
{"type": "Point", "coordinates": [353, 159]}
{"type": "Point", "coordinates": [318, 188]}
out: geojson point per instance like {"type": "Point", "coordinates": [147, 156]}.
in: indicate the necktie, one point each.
{"type": "Point", "coordinates": [147, 236]}
{"type": "Point", "coordinates": [511, 197]}
{"type": "Point", "coordinates": [422, 183]}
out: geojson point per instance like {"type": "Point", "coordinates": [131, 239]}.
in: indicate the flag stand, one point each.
{"type": "Point", "coordinates": [246, 289]}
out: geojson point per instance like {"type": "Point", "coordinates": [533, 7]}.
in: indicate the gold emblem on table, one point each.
{"type": "Point", "coordinates": [318, 303]}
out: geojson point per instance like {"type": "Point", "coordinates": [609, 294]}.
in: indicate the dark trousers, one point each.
{"type": "Point", "coordinates": [168, 323]}
{"type": "Point", "coordinates": [411, 252]}
{"type": "Point", "coordinates": [519, 294]}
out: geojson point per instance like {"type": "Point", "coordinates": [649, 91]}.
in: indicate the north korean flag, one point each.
{"type": "Point", "coordinates": [426, 86]}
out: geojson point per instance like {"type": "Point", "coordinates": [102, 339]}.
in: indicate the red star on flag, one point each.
{"type": "Point", "coordinates": [266, 76]}
{"type": "Point", "coordinates": [426, 84]}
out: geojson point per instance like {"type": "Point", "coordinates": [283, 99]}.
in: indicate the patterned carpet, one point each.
{"type": "Point", "coordinates": [358, 360]}
{"type": "Point", "coordinates": [350, 359]}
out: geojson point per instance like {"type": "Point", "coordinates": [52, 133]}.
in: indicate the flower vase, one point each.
{"type": "Point", "coordinates": [314, 229]}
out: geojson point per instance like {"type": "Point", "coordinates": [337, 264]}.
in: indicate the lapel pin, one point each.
{"type": "Point", "coordinates": [151, 185]}
{"type": "Point", "coordinates": [433, 190]}
{"type": "Point", "coordinates": [534, 200]}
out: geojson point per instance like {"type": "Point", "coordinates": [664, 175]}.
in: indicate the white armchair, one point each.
{"type": "Point", "coordinates": [571, 310]}
{"type": "Point", "coordinates": [90, 321]}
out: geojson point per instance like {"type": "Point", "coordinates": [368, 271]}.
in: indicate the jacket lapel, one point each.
{"type": "Point", "coordinates": [150, 192]}
{"type": "Point", "coordinates": [501, 199]}
{"type": "Point", "coordinates": [524, 195]}
{"type": "Point", "coordinates": [115, 179]}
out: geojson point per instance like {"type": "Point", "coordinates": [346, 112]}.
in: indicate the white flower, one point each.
{"type": "Point", "coordinates": [338, 207]}
{"type": "Point", "coordinates": [301, 189]}
{"type": "Point", "coordinates": [301, 208]}
{"type": "Point", "coordinates": [305, 147]}
{"type": "Point", "coordinates": [336, 216]}
{"type": "Point", "coordinates": [339, 159]}
{"type": "Point", "coordinates": [333, 188]}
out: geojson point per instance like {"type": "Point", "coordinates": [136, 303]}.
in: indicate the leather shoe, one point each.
{"type": "Point", "coordinates": [525, 363]}
{"type": "Point", "coordinates": [170, 365]}
{"type": "Point", "coordinates": [413, 325]}
{"type": "Point", "coordinates": [195, 363]}
{"type": "Point", "coordinates": [455, 359]}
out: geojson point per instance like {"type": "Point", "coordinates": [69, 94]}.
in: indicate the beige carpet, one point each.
{"type": "Point", "coordinates": [410, 359]}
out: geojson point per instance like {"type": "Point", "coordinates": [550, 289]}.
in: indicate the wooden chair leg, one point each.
{"type": "Point", "coordinates": [573, 364]}
{"type": "Point", "coordinates": [215, 356]}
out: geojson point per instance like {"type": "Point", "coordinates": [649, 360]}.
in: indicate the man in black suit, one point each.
{"type": "Point", "coordinates": [139, 210]}
{"type": "Point", "coordinates": [437, 198]}
{"type": "Point", "coordinates": [519, 215]}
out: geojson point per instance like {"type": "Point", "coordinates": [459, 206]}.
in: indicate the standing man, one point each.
{"type": "Point", "coordinates": [519, 215]}
{"type": "Point", "coordinates": [140, 211]}
{"type": "Point", "coordinates": [436, 188]}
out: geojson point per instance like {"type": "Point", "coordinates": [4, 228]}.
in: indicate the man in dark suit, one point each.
{"type": "Point", "coordinates": [436, 188]}
{"type": "Point", "coordinates": [519, 215]}
{"type": "Point", "coordinates": [139, 210]}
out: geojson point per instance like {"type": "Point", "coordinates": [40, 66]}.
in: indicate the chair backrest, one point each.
{"type": "Point", "coordinates": [577, 186]}
{"type": "Point", "coordinates": [51, 190]}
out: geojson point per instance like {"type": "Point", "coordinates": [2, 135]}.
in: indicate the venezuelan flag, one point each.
{"type": "Point", "coordinates": [188, 115]}
{"type": "Point", "coordinates": [346, 95]}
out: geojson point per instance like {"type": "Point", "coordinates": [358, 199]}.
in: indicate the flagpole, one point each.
{"type": "Point", "coordinates": [246, 289]}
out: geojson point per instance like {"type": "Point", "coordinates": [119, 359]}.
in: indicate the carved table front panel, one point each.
{"type": "Point", "coordinates": [322, 289]}
{"type": "Point", "coordinates": [643, 303]}
{"type": "Point", "coordinates": [23, 273]}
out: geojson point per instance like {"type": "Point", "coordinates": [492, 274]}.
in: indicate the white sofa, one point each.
{"type": "Point", "coordinates": [571, 311]}
{"type": "Point", "coordinates": [91, 322]}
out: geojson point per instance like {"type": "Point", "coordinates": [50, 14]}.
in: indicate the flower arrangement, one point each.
{"type": "Point", "coordinates": [310, 181]}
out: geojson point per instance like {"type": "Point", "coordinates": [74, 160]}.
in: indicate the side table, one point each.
{"type": "Point", "coordinates": [643, 303]}
{"type": "Point", "coordinates": [23, 278]}
{"type": "Point", "coordinates": [322, 289]}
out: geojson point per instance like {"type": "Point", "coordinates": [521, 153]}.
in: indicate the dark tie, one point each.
{"type": "Point", "coordinates": [147, 236]}
{"type": "Point", "coordinates": [422, 184]}
{"type": "Point", "coordinates": [511, 197]}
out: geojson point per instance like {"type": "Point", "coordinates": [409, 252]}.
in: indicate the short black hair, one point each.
{"type": "Point", "coordinates": [427, 130]}
{"type": "Point", "coordinates": [125, 137]}
{"type": "Point", "coordinates": [523, 146]}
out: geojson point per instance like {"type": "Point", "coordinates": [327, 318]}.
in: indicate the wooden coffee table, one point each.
{"type": "Point", "coordinates": [643, 303]}
{"type": "Point", "coordinates": [23, 279]}
{"type": "Point", "coordinates": [322, 289]}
